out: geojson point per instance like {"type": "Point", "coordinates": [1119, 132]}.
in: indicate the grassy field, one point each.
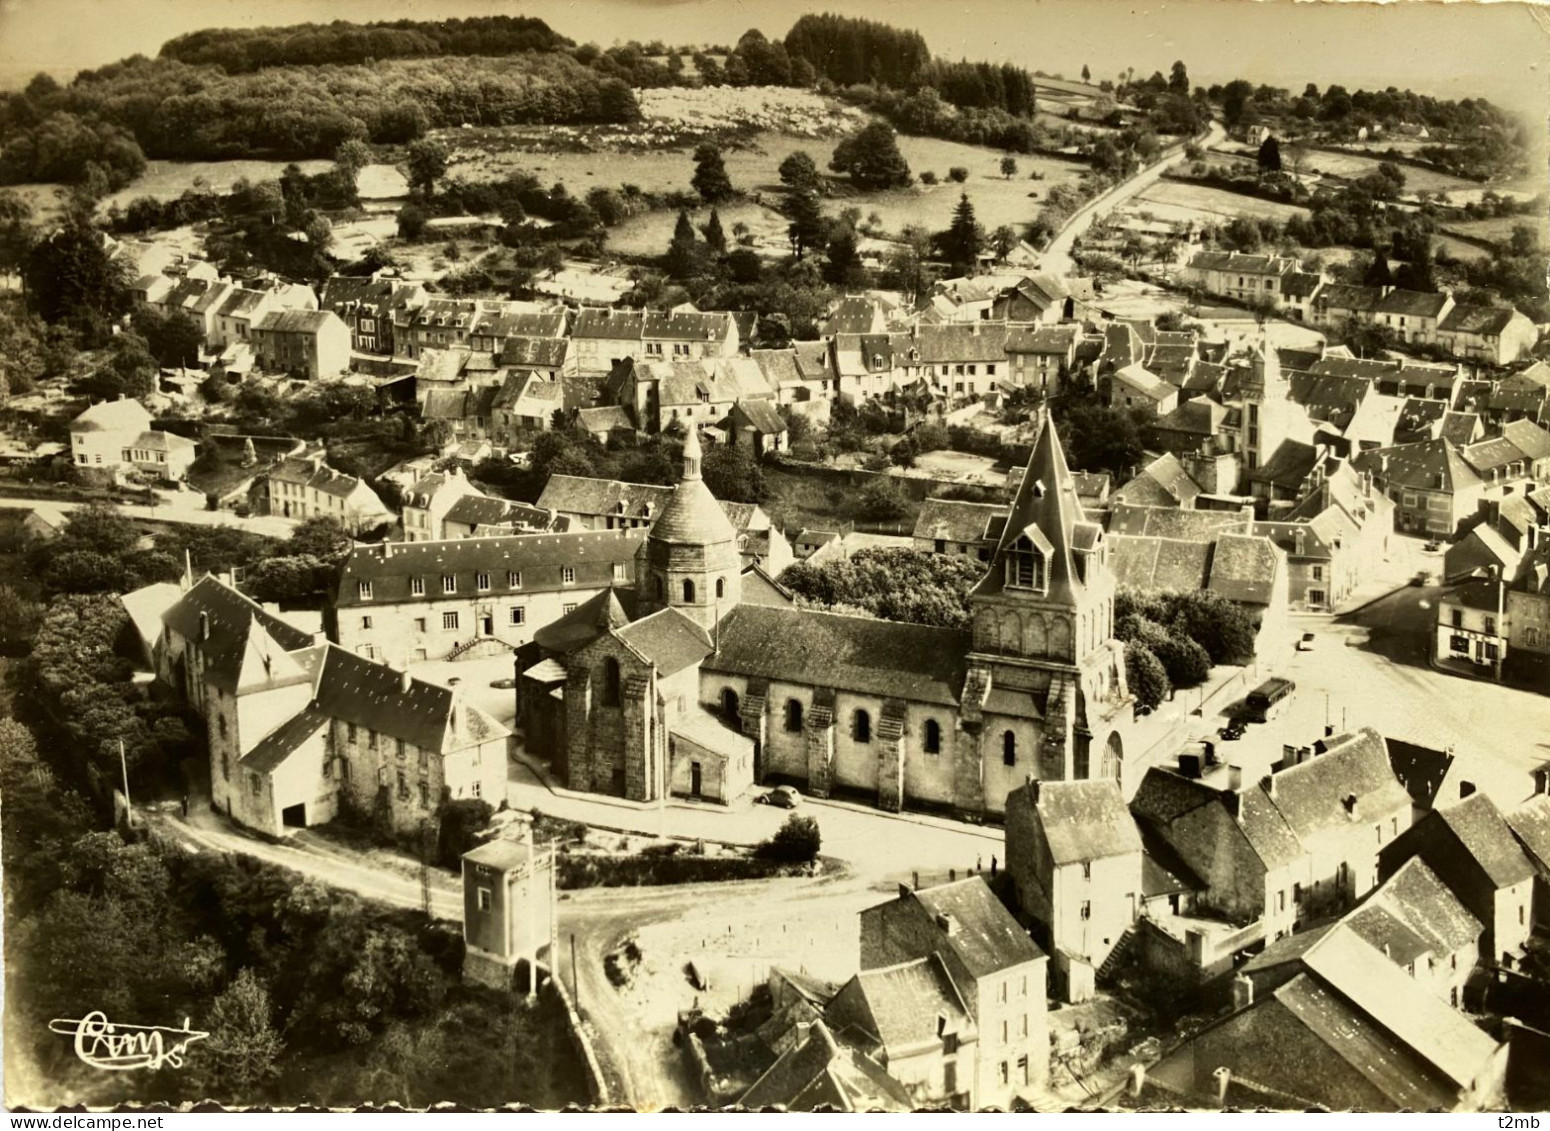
{"type": "Point", "coordinates": [1353, 165]}
{"type": "Point", "coordinates": [167, 180]}
{"type": "Point", "coordinates": [1499, 230]}
{"type": "Point", "coordinates": [1173, 201]}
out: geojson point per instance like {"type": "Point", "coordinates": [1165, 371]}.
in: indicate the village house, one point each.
{"type": "Point", "coordinates": [602, 338]}
{"type": "Point", "coordinates": [404, 603]}
{"type": "Point", "coordinates": [198, 299]}
{"type": "Point", "coordinates": [1433, 489]}
{"type": "Point", "coordinates": [524, 405]}
{"type": "Point", "coordinates": [1472, 624]}
{"type": "Point", "coordinates": [465, 414]}
{"type": "Point", "coordinates": [1036, 298]}
{"type": "Point", "coordinates": [117, 435]}
{"type": "Point", "coordinates": [303, 343]}
{"type": "Point", "coordinates": [1235, 274]}
{"type": "Point", "coordinates": [427, 500]}
{"type": "Point", "coordinates": [756, 422]}
{"type": "Point", "coordinates": [1412, 316]}
{"type": "Point", "coordinates": [688, 335]}
{"type": "Point", "coordinates": [498, 326]}
{"type": "Point", "coordinates": [1344, 516]}
{"type": "Point", "coordinates": [1497, 537]}
{"type": "Point", "coordinates": [1421, 926]}
{"type": "Point", "coordinates": [297, 728]}
{"type": "Point", "coordinates": [1135, 386]}
{"type": "Point", "coordinates": [956, 527]}
{"type": "Point", "coordinates": [1074, 855]}
{"type": "Point", "coordinates": [1491, 334]}
{"type": "Point", "coordinates": [1530, 823]}
{"type": "Point", "coordinates": [855, 314]}
{"type": "Point", "coordinates": [997, 971]}
{"type": "Point", "coordinates": [455, 370]}
{"type": "Point", "coordinates": [1528, 616]}
{"type": "Point", "coordinates": [305, 487]}
{"type": "Point", "coordinates": [1471, 849]}
{"type": "Point", "coordinates": [1043, 358]}
{"type": "Point", "coordinates": [369, 307]}
{"type": "Point", "coordinates": [1337, 1027]}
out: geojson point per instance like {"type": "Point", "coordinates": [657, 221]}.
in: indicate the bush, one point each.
{"type": "Point", "coordinates": [1144, 672]}
{"type": "Point", "coordinates": [928, 178]}
{"type": "Point", "coordinates": [882, 501]}
{"type": "Point", "coordinates": [461, 822]}
{"type": "Point", "coordinates": [957, 174]}
{"type": "Point", "coordinates": [795, 842]}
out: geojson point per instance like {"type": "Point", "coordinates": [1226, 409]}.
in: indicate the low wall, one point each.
{"type": "Point", "coordinates": [598, 1089]}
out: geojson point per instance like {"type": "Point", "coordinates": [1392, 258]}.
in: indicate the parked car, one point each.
{"type": "Point", "coordinates": [1433, 547]}
{"type": "Point", "coordinates": [1306, 643]}
{"type": "Point", "coordinates": [504, 684]}
{"type": "Point", "coordinates": [1422, 577]}
{"type": "Point", "coordinates": [782, 797]}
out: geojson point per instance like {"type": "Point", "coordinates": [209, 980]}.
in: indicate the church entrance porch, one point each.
{"type": "Point", "coordinates": [709, 760]}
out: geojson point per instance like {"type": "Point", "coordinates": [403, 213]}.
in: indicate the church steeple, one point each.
{"type": "Point", "coordinates": [691, 561]}
{"type": "Point", "coordinates": [692, 454]}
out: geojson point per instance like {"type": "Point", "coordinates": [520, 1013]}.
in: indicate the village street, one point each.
{"type": "Point", "coordinates": [186, 507]}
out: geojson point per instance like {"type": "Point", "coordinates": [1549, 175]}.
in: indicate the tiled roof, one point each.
{"type": "Point", "coordinates": [538, 558]}
{"type": "Point", "coordinates": [1244, 568]}
{"type": "Point", "coordinates": [1171, 522]}
{"type": "Point", "coordinates": [1481, 829]}
{"type": "Point", "coordinates": [1316, 796]}
{"type": "Point", "coordinates": [591, 322]}
{"type": "Point", "coordinates": [954, 520]}
{"type": "Point", "coordinates": [356, 690]}
{"type": "Point", "coordinates": [1431, 464]}
{"type": "Point", "coordinates": [668, 639]}
{"type": "Point", "coordinates": [1084, 820]}
{"type": "Point", "coordinates": [112, 416]}
{"type": "Point", "coordinates": [231, 617]}
{"type": "Point", "coordinates": [847, 653]}
{"type": "Point", "coordinates": [1474, 319]}
{"type": "Point", "coordinates": [1413, 304]}
{"type": "Point", "coordinates": [279, 744]}
{"type": "Point", "coordinates": [985, 938]}
{"type": "Point", "coordinates": [297, 321]}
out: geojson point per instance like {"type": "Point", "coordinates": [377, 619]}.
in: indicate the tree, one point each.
{"type": "Point", "coordinates": [842, 265]}
{"type": "Point", "coordinates": [962, 242]}
{"type": "Point", "coordinates": [958, 174]}
{"type": "Point", "coordinates": [872, 159]}
{"type": "Point", "coordinates": [1217, 624]}
{"type": "Point", "coordinates": [1178, 79]}
{"type": "Point", "coordinates": [799, 173]}
{"type": "Point", "coordinates": [882, 501]}
{"type": "Point", "coordinates": [458, 831]}
{"type": "Point", "coordinates": [174, 339]}
{"type": "Point", "coordinates": [732, 473]}
{"type": "Point", "coordinates": [683, 254]}
{"type": "Point", "coordinates": [130, 362]}
{"type": "Point", "coordinates": [243, 1048]}
{"type": "Point", "coordinates": [1003, 240]}
{"type": "Point", "coordinates": [427, 165]}
{"type": "Point", "coordinates": [1378, 275]}
{"type": "Point", "coordinates": [1009, 166]}
{"type": "Point", "coordinates": [19, 619]}
{"type": "Point", "coordinates": [1270, 155]}
{"type": "Point", "coordinates": [796, 842]}
{"type": "Point", "coordinates": [710, 174]}
{"type": "Point", "coordinates": [1145, 676]}
{"type": "Point", "coordinates": [411, 222]}
{"type": "Point", "coordinates": [715, 237]}
{"type": "Point", "coordinates": [71, 279]}
{"type": "Point", "coordinates": [805, 226]}
{"type": "Point", "coordinates": [17, 234]}
{"type": "Point", "coordinates": [321, 536]}
{"type": "Point", "coordinates": [351, 157]}
{"type": "Point", "coordinates": [1087, 73]}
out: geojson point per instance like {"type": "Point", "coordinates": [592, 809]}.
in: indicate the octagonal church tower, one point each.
{"type": "Point", "coordinates": [1046, 674]}
{"type": "Point", "coordinates": [690, 560]}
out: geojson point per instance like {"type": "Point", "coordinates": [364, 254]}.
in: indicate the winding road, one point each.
{"type": "Point", "coordinates": [1056, 259]}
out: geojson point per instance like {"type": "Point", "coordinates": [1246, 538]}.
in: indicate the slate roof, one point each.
{"type": "Point", "coordinates": [1312, 796]}
{"type": "Point", "coordinates": [498, 322]}
{"type": "Point", "coordinates": [779, 367]}
{"type": "Point", "coordinates": [1415, 899]}
{"type": "Point", "coordinates": [538, 558]}
{"type": "Point", "coordinates": [1172, 522]}
{"type": "Point", "coordinates": [296, 321]}
{"type": "Point", "coordinates": [1164, 796]}
{"type": "Point", "coordinates": [1085, 820]}
{"type": "Point", "coordinates": [112, 416]}
{"type": "Point", "coordinates": [1344, 296]}
{"type": "Point", "coordinates": [986, 938]}
{"type": "Point", "coordinates": [545, 353]}
{"type": "Point", "coordinates": [1419, 465]}
{"type": "Point", "coordinates": [279, 744]}
{"type": "Point", "coordinates": [954, 520]}
{"type": "Point", "coordinates": [687, 326]}
{"type": "Point", "coordinates": [592, 322]}
{"type": "Point", "coordinates": [1136, 376]}
{"type": "Point", "coordinates": [1165, 564]}
{"type": "Point", "coordinates": [1163, 482]}
{"type": "Point", "coordinates": [162, 442]}
{"type": "Point", "coordinates": [914, 662]}
{"type": "Point", "coordinates": [1489, 455]}
{"type": "Point", "coordinates": [1328, 396]}
{"type": "Point", "coordinates": [1528, 437]}
{"type": "Point", "coordinates": [761, 415]}
{"type": "Point", "coordinates": [1242, 262]}
{"type": "Point", "coordinates": [855, 314]}
{"type": "Point", "coordinates": [231, 618]}
{"type": "Point", "coordinates": [1121, 345]}
{"type": "Point", "coordinates": [902, 1008]}
{"type": "Point", "coordinates": [610, 608]}
{"type": "Point", "coordinates": [1288, 466]}
{"type": "Point", "coordinates": [356, 690]}
{"type": "Point", "coordinates": [1530, 823]}
{"type": "Point", "coordinates": [1300, 284]}
{"type": "Point", "coordinates": [578, 494]}
{"type": "Point", "coordinates": [1163, 870]}
{"type": "Point", "coordinates": [1244, 568]}
{"type": "Point", "coordinates": [1412, 304]}
{"type": "Point", "coordinates": [667, 639]}
{"type": "Point", "coordinates": [818, 1072]}
{"type": "Point", "coordinates": [319, 478]}
{"type": "Point", "coordinates": [1043, 340]}
{"type": "Point", "coordinates": [1458, 427]}
{"type": "Point", "coordinates": [605, 418]}
{"type": "Point", "coordinates": [481, 510]}
{"type": "Point", "coordinates": [241, 302]}
{"type": "Point", "coordinates": [1480, 828]}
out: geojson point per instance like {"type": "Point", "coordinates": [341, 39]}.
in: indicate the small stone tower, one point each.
{"type": "Point", "coordinates": [690, 560]}
{"type": "Point", "coordinates": [508, 911]}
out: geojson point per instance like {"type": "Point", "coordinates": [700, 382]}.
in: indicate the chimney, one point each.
{"type": "Point", "coordinates": [1137, 1080]}
{"type": "Point", "coordinates": [803, 1029]}
{"type": "Point", "coordinates": [204, 626]}
{"type": "Point", "coordinates": [404, 680]}
{"type": "Point", "coordinates": [1223, 1082]}
{"type": "Point", "coordinates": [1348, 802]}
{"type": "Point", "coordinates": [1033, 788]}
{"type": "Point", "coordinates": [1235, 778]}
{"type": "Point", "coordinates": [947, 924]}
{"type": "Point", "coordinates": [1300, 541]}
{"type": "Point", "coordinates": [1242, 991]}
{"type": "Point", "coordinates": [387, 550]}
{"type": "Point", "coordinates": [904, 890]}
{"type": "Point", "coordinates": [1383, 463]}
{"type": "Point", "coordinates": [1269, 782]}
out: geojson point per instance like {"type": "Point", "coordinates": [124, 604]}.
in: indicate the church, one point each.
{"type": "Point", "coordinates": [704, 680]}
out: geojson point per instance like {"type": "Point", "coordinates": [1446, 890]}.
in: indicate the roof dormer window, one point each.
{"type": "Point", "coordinates": [1027, 562]}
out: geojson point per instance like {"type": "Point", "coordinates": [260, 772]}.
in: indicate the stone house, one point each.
{"type": "Point", "coordinates": [1043, 358]}
{"type": "Point", "coordinates": [1432, 487]}
{"type": "Point", "coordinates": [305, 487]}
{"type": "Point", "coordinates": [1074, 856]}
{"type": "Point", "coordinates": [999, 974]}
{"type": "Point", "coordinates": [1235, 274]}
{"type": "Point", "coordinates": [1528, 615]}
{"type": "Point", "coordinates": [1493, 335]}
{"type": "Point", "coordinates": [1472, 624]}
{"type": "Point", "coordinates": [118, 435]}
{"type": "Point", "coordinates": [1472, 849]}
{"type": "Point", "coordinates": [956, 527]}
{"type": "Point", "coordinates": [305, 343]}
{"type": "Point", "coordinates": [403, 603]}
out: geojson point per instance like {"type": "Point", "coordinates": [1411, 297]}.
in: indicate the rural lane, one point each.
{"type": "Point", "coordinates": [1057, 257]}
{"type": "Point", "coordinates": [190, 515]}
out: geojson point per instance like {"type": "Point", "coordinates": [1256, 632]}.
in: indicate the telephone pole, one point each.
{"type": "Point", "coordinates": [123, 765]}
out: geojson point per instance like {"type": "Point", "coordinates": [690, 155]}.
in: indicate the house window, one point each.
{"type": "Point", "coordinates": [363, 590]}
{"type": "Point", "coordinates": [1087, 910]}
{"type": "Point", "coordinates": [482, 582]}
{"type": "Point", "coordinates": [225, 766]}
{"type": "Point", "coordinates": [518, 614]}
{"type": "Point", "coordinates": [793, 714]}
{"type": "Point", "coordinates": [1490, 626]}
{"type": "Point", "coordinates": [1317, 596]}
{"type": "Point", "coordinates": [861, 724]}
{"type": "Point", "coordinates": [1458, 618]}
{"type": "Point", "coordinates": [1531, 636]}
{"type": "Point", "coordinates": [448, 583]}
{"type": "Point", "coordinates": [567, 575]}
{"type": "Point", "coordinates": [621, 571]}
{"type": "Point", "coordinates": [933, 737]}
{"type": "Point", "coordinates": [365, 623]}
{"type": "Point", "coordinates": [568, 607]}
{"type": "Point", "coordinates": [514, 579]}
{"type": "Point", "coordinates": [371, 739]}
{"type": "Point", "coordinates": [484, 899]}
{"type": "Point", "coordinates": [425, 795]}
{"type": "Point", "coordinates": [1318, 573]}
{"type": "Point", "coordinates": [1022, 1061]}
{"type": "Point", "coordinates": [475, 789]}
{"type": "Point", "coordinates": [1009, 749]}
{"type": "Point", "coordinates": [1459, 644]}
{"type": "Point", "coordinates": [349, 733]}
{"type": "Point", "coordinates": [419, 624]}
{"type": "Point", "coordinates": [449, 620]}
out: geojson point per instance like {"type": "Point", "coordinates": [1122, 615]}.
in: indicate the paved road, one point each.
{"type": "Point", "coordinates": [192, 514]}
{"type": "Point", "coordinates": [1057, 257]}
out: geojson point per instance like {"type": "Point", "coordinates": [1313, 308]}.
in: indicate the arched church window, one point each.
{"type": "Point", "coordinates": [730, 704]}
{"type": "Point", "coordinates": [1009, 749]}
{"type": "Point", "coordinates": [611, 682]}
{"type": "Point", "coordinates": [933, 737]}
{"type": "Point", "coordinates": [793, 714]}
{"type": "Point", "coordinates": [862, 726]}
{"type": "Point", "coordinates": [721, 588]}
{"type": "Point", "coordinates": [661, 589]}
{"type": "Point", "coordinates": [688, 592]}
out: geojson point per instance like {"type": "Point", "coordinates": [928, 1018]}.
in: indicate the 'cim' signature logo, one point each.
{"type": "Point", "coordinates": [119, 1048]}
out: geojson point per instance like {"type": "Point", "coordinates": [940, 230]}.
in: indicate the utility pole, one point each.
{"type": "Point", "coordinates": [123, 765]}
{"type": "Point", "coordinates": [1501, 618]}
{"type": "Point", "coordinates": [575, 976]}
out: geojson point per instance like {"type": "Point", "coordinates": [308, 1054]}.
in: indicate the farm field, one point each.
{"type": "Point", "coordinates": [166, 180]}
{"type": "Point", "coordinates": [1353, 165]}
{"type": "Point", "coordinates": [1459, 249]}
{"type": "Point", "coordinates": [1499, 230]}
{"type": "Point", "coordinates": [46, 201]}
{"type": "Point", "coordinates": [1173, 201]}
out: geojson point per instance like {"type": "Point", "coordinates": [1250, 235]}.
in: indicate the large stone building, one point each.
{"type": "Point", "coordinates": [900, 713]}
